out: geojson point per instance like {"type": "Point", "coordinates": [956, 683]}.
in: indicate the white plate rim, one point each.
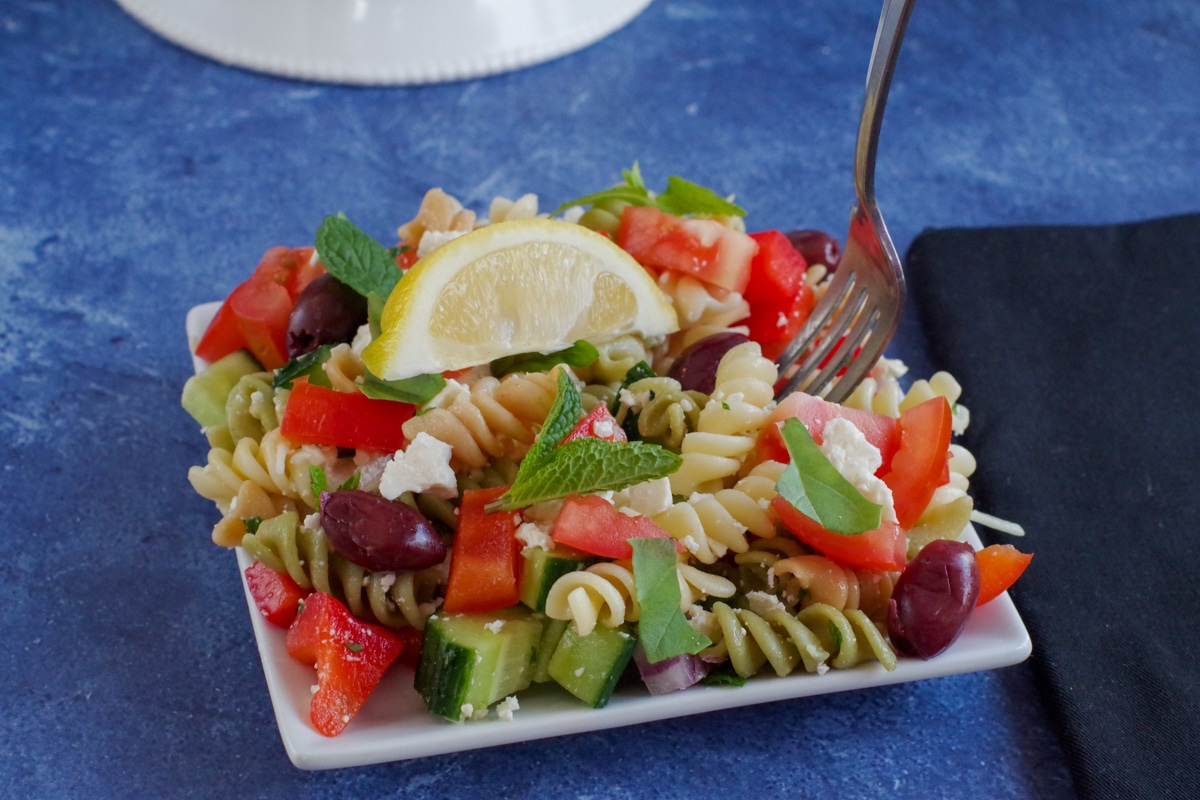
{"type": "Point", "coordinates": [347, 41]}
{"type": "Point", "coordinates": [394, 725]}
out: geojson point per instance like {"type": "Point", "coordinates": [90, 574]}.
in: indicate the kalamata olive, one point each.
{"type": "Point", "coordinates": [933, 598]}
{"type": "Point", "coordinates": [379, 534]}
{"type": "Point", "coordinates": [326, 312]}
{"type": "Point", "coordinates": [696, 366]}
{"type": "Point", "coordinates": [817, 247]}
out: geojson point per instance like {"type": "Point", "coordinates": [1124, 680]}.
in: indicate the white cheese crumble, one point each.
{"type": "Point", "coordinates": [603, 428]}
{"type": "Point", "coordinates": [424, 466]}
{"type": "Point", "coordinates": [857, 459]}
{"type": "Point", "coordinates": [432, 240]}
{"type": "Point", "coordinates": [579, 672]}
{"type": "Point", "coordinates": [647, 498]}
{"type": "Point", "coordinates": [762, 603]}
{"type": "Point", "coordinates": [506, 707]}
{"type": "Point", "coordinates": [534, 537]}
{"type": "Point", "coordinates": [495, 625]}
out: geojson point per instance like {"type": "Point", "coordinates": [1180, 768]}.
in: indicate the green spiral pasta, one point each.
{"type": "Point", "coordinates": [394, 599]}
{"type": "Point", "coordinates": [818, 638]}
{"type": "Point", "coordinates": [665, 412]}
{"type": "Point", "coordinates": [251, 410]}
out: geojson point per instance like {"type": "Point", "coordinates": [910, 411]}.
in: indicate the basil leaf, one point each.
{"type": "Point", "coordinates": [818, 490]}
{"type": "Point", "coordinates": [663, 631]}
{"type": "Point", "coordinates": [580, 354]}
{"type": "Point", "coordinates": [588, 465]}
{"type": "Point", "coordinates": [684, 197]}
{"type": "Point", "coordinates": [415, 390]}
{"type": "Point", "coordinates": [632, 195]}
{"type": "Point", "coordinates": [355, 259]}
{"type": "Point", "coordinates": [375, 304]}
{"type": "Point", "coordinates": [308, 364]}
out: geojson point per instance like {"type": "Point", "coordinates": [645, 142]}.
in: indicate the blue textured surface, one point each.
{"type": "Point", "coordinates": [137, 179]}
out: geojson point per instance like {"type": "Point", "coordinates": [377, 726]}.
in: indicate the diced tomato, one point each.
{"type": "Point", "coordinates": [598, 424]}
{"type": "Point", "coordinates": [879, 429]}
{"type": "Point", "coordinates": [406, 258]}
{"type": "Point", "coordinates": [275, 594]}
{"type": "Point", "coordinates": [704, 248]}
{"type": "Point", "coordinates": [999, 567]}
{"type": "Point", "coordinates": [592, 524]}
{"type": "Point", "coordinates": [317, 415]}
{"type": "Point", "coordinates": [483, 561]}
{"type": "Point", "coordinates": [780, 299]}
{"type": "Point", "coordinates": [351, 656]}
{"type": "Point", "coordinates": [880, 549]}
{"type": "Point", "coordinates": [255, 314]}
{"type": "Point", "coordinates": [922, 462]}
{"type": "Point", "coordinates": [412, 639]}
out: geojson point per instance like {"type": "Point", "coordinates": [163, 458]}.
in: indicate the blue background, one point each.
{"type": "Point", "coordinates": [138, 179]}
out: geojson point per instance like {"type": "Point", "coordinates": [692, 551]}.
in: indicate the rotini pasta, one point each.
{"type": "Point", "coordinates": [390, 598]}
{"type": "Point", "coordinates": [819, 637]}
{"type": "Point", "coordinates": [727, 427]}
{"type": "Point", "coordinates": [817, 579]}
{"type": "Point", "coordinates": [601, 594]}
{"type": "Point", "coordinates": [665, 412]}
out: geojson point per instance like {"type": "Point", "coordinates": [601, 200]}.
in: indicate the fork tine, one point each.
{"type": "Point", "coordinates": [815, 367]}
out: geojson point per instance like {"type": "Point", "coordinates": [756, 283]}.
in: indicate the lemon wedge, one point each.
{"type": "Point", "coordinates": [525, 286]}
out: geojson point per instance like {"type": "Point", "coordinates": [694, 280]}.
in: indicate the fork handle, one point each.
{"type": "Point", "coordinates": [893, 21]}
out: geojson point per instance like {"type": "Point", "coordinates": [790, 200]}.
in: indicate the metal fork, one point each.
{"type": "Point", "coordinates": [852, 324]}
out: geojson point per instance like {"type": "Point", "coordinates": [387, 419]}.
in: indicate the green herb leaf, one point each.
{"type": "Point", "coordinates": [354, 647]}
{"type": "Point", "coordinates": [355, 259]}
{"type": "Point", "coordinates": [563, 416]}
{"type": "Point", "coordinates": [818, 490]}
{"type": "Point", "coordinates": [663, 631]}
{"type": "Point", "coordinates": [580, 354]}
{"type": "Point", "coordinates": [351, 482]}
{"type": "Point", "coordinates": [308, 365]}
{"type": "Point", "coordinates": [415, 390]}
{"type": "Point", "coordinates": [252, 524]}
{"type": "Point", "coordinates": [723, 676]}
{"type": "Point", "coordinates": [316, 474]}
{"type": "Point", "coordinates": [589, 465]}
{"type": "Point", "coordinates": [375, 304]}
{"type": "Point", "coordinates": [684, 197]}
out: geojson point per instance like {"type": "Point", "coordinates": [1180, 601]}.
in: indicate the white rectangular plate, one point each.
{"type": "Point", "coordinates": [394, 725]}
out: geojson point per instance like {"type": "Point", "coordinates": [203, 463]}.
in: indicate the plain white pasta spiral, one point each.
{"type": "Point", "coordinates": [728, 425]}
{"type": "Point", "coordinates": [702, 309]}
{"type": "Point", "coordinates": [711, 525]}
{"type": "Point", "coordinates": [601, 594]}
{"type": "Point", "coordinates": [275, 464]}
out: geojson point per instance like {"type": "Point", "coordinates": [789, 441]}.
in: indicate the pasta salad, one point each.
{"type": "Point", "coordinates": [622, 499]}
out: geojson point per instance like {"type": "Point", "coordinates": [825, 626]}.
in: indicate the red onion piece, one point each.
{"type": "Point", "coordinates": [670, 674]}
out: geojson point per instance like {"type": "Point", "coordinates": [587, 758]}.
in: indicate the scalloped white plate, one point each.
{"type": "Point", "coordinates": [383, 41]}
{"type": "Point", "coordinates": [394, 725]}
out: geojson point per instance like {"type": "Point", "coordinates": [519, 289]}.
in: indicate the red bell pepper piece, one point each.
{"type": "Point", "coordinates": [999, 567]}
{"type": "Point", "coordinates": [484, 557]}
{"type": "Point", "coordinates": [317, 415]}
{"type": "Point", "coordinates": [351, 656]}
{"type": "Point", "coordinates": [275, 594]}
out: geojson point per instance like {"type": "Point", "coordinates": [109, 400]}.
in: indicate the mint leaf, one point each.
{"type": "Point", "coordinates": [563, 416]}
{"type": "Point", "coordinates": [316, 475]}
{"type": "Point", "coordinates": [308, 364]}
{"type": "Point", "coordinates": [684, 197]}
{"type": "Point", "coordinates": [355, 259]}
{"type": "Point", "coordinates": [416, 390]}
{"type": "Point", "coordinates": [818, 490]}
{"type": "Point", "coordinates": [632, 195]}
{"type": "Point", "coordinates": [580, 354]}
{"type": "Point", "coordinates": [662, 629]}
{"type": "Point", "coordinates": [585, 466]}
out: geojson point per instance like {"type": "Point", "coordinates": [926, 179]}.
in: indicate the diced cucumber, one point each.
{"type": "Point", "coordinates": [590, 666]}
{"type": "Point", "coordinates": [469, 661]}
{"type": "Point", "coordinates": [542, 568]}
{"type": "Point", "coordinates": [552, 633]}
{"type": "Point", "coordinates": [204, 395]}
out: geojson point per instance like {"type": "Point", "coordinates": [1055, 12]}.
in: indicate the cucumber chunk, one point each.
{"type": "Point", "coordinates": [204, 395]}
{"type": "Point", "coordinates": [542, 568]}
{"type": "Point", "coordinates": [469, 661]}
{"type": "Point", "coordinates": [590, 666]}
{"type": "Point", "coordinates": [552, 633]}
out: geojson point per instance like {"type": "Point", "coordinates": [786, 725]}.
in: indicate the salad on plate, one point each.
{"type": "Point", "coordinates": [529, 452]}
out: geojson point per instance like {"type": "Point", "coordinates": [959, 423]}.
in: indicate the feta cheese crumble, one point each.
{"type": "Point", "coordinates": [857, 459]}
{"type": "Point", "coordinates": [424, 466]}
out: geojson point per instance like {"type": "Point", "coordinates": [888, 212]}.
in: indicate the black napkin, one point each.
{"type": "Point", "coordinates": [1077, 350]}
